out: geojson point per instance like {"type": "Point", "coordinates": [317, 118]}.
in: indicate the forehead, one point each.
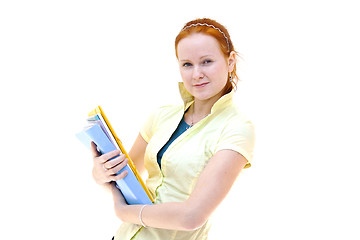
{"type": "Point", "coordinates": [198, 44]}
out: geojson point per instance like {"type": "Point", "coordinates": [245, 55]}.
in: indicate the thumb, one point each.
{"type": "Point", "coordinates": [94, 150]}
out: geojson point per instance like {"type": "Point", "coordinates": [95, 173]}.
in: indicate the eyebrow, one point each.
{"type": "Point", "coordinates": [205, 56]}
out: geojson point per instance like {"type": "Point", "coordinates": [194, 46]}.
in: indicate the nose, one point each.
{"type": "Point", "coordinates": [198, 73]}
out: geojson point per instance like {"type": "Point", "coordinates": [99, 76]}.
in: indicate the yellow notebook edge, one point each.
{"type": "Point", "coordinates": [99, 110]}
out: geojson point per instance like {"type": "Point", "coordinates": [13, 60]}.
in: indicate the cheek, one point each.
{"type": "Point", "coordinates": [184, 75]}
{"type": "Point", "coordinates": [223, 72]}
{"type": "Point", "coordinates": [219, 74]}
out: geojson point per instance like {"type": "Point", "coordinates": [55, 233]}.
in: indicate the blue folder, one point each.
{"type": "Point", "coordinates": [129, 186]}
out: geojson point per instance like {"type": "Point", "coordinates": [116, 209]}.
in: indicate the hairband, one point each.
{"type": "Point", "coordinates": [209, 25]}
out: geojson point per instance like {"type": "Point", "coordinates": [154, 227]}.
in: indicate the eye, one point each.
{"type": "Point", "coordinates": [207, 61]}
{"type": "Point", "coordinates": [187, 64]}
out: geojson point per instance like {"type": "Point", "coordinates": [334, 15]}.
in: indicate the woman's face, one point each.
{"type": "Point", "coordinates": [203, 67]}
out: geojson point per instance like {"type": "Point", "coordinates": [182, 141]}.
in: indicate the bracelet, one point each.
{"type": "Point", "coordinates": [140, 216]}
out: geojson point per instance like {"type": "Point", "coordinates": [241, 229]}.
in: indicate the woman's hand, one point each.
{"type": "Point", "coordinates": [104, 170]}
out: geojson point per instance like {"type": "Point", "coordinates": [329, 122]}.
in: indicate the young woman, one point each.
{"type": "Point", "coordinates": [193, 152]}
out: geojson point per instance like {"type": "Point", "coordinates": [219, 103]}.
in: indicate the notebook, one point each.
{"type": "Point", "coordinates": [103, 135]}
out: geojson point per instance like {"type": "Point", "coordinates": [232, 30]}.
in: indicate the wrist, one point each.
{"type": "Point", "coordinates": [140, 216]}
{"type": "Point", "coordinates": [107, 186]}
{"type": "Point", "coordinates": [119, 199]}
{"type": "Point", "coordinates": [119, 202]}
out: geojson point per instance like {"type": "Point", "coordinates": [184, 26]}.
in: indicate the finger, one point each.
{"type": "Point", "coordinates": [118, 167]}
{"type": "Point", "coordinates": [114, 161]}
{"type": "Point", "coordinates": [107, 156]}
{"type": "Point", "coordinates": [119, 176]}
{"type": "Point", "coordinates": [94, 150]}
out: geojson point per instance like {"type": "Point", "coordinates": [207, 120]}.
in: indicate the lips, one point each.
{"type": "Point", "coordinates": [200, 85]}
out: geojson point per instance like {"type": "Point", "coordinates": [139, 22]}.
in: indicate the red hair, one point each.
{"type": "Point", "coordinates": [225, 43]}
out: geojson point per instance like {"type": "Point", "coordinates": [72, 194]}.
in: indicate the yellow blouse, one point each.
{"type": "Point", "coordinates": [182, 163]}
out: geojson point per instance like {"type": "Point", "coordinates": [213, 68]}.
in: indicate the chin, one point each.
{"type": "Point", "coordinates": [209, 94]}
{"type": "Point", "coordinates": [203, 96]}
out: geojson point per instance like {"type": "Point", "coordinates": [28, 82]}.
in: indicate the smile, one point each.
{"type": "Point", "coordinates": [201, 85]}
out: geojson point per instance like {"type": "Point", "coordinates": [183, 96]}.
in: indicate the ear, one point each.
{"type": "Point", "coordinates": [231, 61]}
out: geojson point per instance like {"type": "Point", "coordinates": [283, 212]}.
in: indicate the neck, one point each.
{"type": "Point", "coordinates": [200, 109]}
{"type": "Point", "coordinates": [203, 107]}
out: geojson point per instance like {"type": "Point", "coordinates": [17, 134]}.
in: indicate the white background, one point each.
{"type": "Point", "coordinates": [300, 74]}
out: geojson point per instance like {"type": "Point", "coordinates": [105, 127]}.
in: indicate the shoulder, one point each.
{"type": "Point", "coordinates": [165, 112]}
{"type": "Point", "coordinates": [237, 133]}
{"type": "Point", "coordinates": [161, 114]}
{"type": "Point", "coordinates": [169, 109]}
{"type": "Point", "coordinates": [157, 118]}
{"type": "Point", "coordinates": [236, 120]}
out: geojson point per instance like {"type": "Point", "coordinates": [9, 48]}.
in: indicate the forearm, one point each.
{"type": "Point", "coordinates": [172, 215]}
{"type": "Point", "coordinates": [166, 215]}
{"type": "Point", "coordinates": [210, 189]}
